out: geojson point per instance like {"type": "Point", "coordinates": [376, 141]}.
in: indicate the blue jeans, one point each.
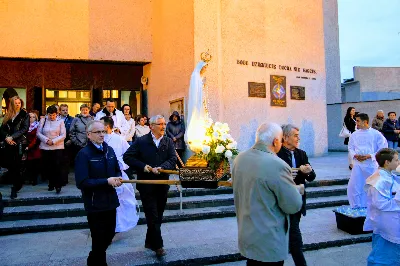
{"type": "Point", "coordinates": [383, 252]}
{"type": "Point", "coordinates": [392, 144]}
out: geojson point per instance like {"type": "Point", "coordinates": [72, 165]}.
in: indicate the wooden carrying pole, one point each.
{"type": "Point", "coordinates": [170, 182]}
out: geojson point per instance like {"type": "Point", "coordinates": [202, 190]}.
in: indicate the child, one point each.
{"type": "Point", "coordinates": [383, 210]}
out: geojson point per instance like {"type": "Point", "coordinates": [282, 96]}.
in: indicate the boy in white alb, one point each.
{"type": "Point", "coordinates": [364, 143]}
{"type": "Point", "coordinates": [383, 210]}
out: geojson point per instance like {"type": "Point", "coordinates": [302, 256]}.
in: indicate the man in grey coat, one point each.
{"type": "Point", "coordinates": [265, 194]}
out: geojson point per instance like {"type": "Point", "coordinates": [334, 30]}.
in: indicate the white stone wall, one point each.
{"type": "Point", "coordinates": [332, 54]}
{"type": "Point", "coordinates": [280, 33]}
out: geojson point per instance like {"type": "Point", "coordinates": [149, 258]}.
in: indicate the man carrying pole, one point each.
{"type": "Point", "coordinates": [148, 155]}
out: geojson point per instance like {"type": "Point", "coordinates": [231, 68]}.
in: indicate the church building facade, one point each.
{"type": "Point", "coordinates": [275, 61]}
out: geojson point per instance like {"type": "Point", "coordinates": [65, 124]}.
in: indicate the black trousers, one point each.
{"type": "Point", "coordinates": [102, 228]}
{"type": "Point", "coordinates": [51, 167]}
{"type": "Point", "coordinates": [32, 170]}
{"type": "Point", "coordinates": [14, 166]}
{"type": "Point", "coordinates": [256, 263]}
{"type": "Point", "coordinates": [154, 199]}
{"type": "Point", "coordinates": [296, 241]}
{"type": "Point", "coordinates": [65, 164]}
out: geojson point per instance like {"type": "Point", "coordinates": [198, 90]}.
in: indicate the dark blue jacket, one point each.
{"type": "Point", "coordinates": [388, 129]}
{"type": "Point", "coordinates": [92, 169]}
{"type": "Point", "coordinates": [176, 130]}
{"type": "Point", "coordinates": [144, 152]}
{"type": "Point", "coordinates": [67, 123]}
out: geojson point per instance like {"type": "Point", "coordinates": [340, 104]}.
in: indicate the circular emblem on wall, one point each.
{"type": "Point", "coordinates": [278, 91]}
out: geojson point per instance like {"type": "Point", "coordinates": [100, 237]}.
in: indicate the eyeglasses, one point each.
{"type": "Point", "coordinates": [99, 132]}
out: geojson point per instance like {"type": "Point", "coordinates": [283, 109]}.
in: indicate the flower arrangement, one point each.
{"type": "Point", "coordinates": [218, 145]}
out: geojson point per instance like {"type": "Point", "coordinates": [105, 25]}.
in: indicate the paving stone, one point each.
{"type": "Point", "coordinates": [201, 242]}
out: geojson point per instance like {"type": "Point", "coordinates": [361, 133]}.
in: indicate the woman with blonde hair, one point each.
{"type": "Point", "coordinates": [13, 141]}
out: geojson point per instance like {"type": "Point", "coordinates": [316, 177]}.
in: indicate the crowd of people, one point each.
{"type": "Point", "coordinates": [32, 146]}
{"type": "Point", "coordinates": [268, 179]}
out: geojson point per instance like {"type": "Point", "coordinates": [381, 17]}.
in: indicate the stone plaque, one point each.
{"type": "Point", "coordinates": [297, 93]}
{"type": "Point", "coordinates": [257, 90]}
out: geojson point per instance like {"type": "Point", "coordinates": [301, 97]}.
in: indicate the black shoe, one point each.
{"type": "Point", "coordinates": [350, 167]}
{"type": "Point", "coordinates": [147, 246]}
{"type": "Point", "coordinates": [160, 252]}
{"type": "Point", "coordinates": [51, 189]}
{"type": "Point", "coordinates": [13, 194]}
{"type": "Point", "coordinates": [58, 190]}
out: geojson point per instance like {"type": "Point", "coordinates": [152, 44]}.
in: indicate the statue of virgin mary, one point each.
{"type": "Point", "coordinates": [197, 112]}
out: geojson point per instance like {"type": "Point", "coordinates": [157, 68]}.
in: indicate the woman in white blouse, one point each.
{"type": "Point", "coordinates": [129, 127]}
{"type": "Point", "coordinates": [141, 127]}
{"type": "Point", "coordinates": [51, 133]}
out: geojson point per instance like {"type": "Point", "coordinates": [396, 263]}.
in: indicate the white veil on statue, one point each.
{"type": "Point", "coordinates": [196, 110]}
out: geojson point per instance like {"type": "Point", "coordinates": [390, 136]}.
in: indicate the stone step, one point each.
{"type": "Point", "coordinates": [72, 195]}
{"type": "Point", "coordinates": [71, 216]}
{"type": "Point", "coordinates": [316, 199]}
{"type": "Point", "coordinates": [187, 243]}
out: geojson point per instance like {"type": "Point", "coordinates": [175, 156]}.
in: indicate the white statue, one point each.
{"type": "Point", "coordinates": [197, 107]}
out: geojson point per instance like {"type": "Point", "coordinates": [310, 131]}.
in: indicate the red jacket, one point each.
{"type": "Point", "coordinates": [33, 145]}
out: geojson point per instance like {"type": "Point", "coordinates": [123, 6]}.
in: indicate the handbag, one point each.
{"type": "Point", "coordinates": [344, 133]}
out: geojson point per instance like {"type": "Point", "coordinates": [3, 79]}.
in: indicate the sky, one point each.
{"type": "Point", "coordinates": [369, 34]}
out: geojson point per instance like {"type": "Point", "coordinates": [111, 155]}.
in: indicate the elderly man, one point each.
{"type": "Point", "coordinates": [296, 158]}
{"type": "Point", "coordinates": [364, 143]}
{"type": "Point", "coordinates": [148, 154]}
{"type": "Point", "coordinates": [97, 174]}
{"type": "Point", "coordinates": [117, 116]}
{"type": "Point", "coordinates": [377, 122]}
{"type": "Point", "coordinates": [265, 194]}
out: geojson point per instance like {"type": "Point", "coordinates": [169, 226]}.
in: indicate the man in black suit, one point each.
{"type": "Point", "coordinates": [147, 155]}
{"type": "Point", "coordinates": [296, 158]}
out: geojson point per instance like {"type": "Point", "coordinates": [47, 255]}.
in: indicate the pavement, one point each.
{"type": "Point", "coordinates": [352, 255]}
{"type": "Point", "coordinates": [188, 240]}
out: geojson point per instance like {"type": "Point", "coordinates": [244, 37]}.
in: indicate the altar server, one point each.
{"type": "Point", "coordinates": [383, 211]}
{"type": "Point", "coordinates": [363, 145]}
{"type": "Point", "coordinates": [127, 216]}
{"type": "Point", "coordinates": [117, 116]}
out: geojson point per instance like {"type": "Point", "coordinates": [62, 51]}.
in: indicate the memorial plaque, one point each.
{"type": "Point", "coordinates": [257, 90]}
{"type": "Point", "coordinates": [297, 93]}
{"type": "Point", "coordinates": [278, 91]}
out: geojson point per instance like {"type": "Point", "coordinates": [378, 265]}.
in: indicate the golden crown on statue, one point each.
{"type": "Point", "coordinates": [205, 56]}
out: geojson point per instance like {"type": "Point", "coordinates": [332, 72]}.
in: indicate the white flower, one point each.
{"type": "Point", "coordinates": [217, 126]}
{"type": "Point", "coordinates": [225, 127]}
{"type": "Point", "coordinates": [224, 137]}
{"type": "Point", "coordinates": [232, 145]}
{"type": "Point", "coordinates": [206, 149]}
{"type": "Point", "coordinates": [219, 149]}
{"type": "Point", "coordinates": [215, 134]}
{"type": "Point", "coordinates": [228, 154]}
